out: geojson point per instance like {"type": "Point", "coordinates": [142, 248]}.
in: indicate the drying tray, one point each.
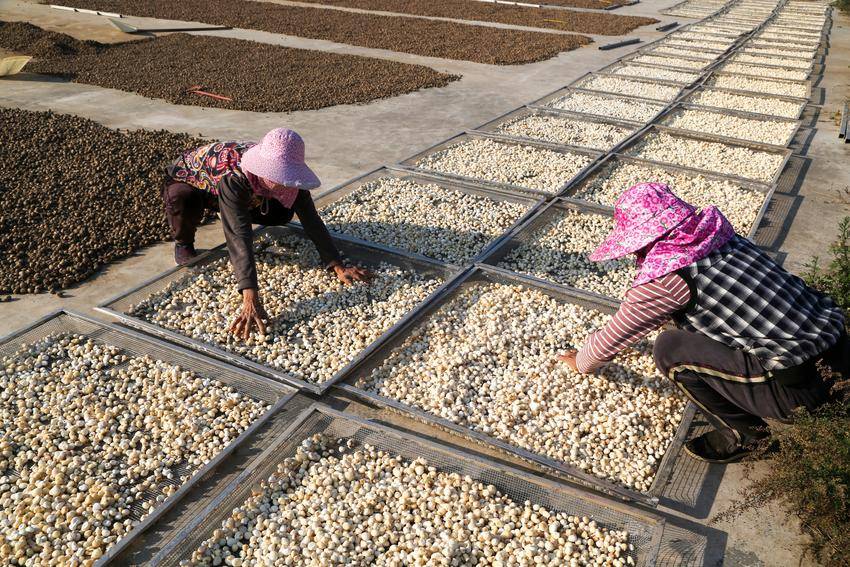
{"type": "Point", "coordinates": [809, 70]}
{"type": "Point", "coordinates": [645, 528]}
{"type": "Point", "coordinates": [410, 163]}
{"type": "Point", "coordinates": [749, 115]}
{"type": "Point", "coordinates": [659, 50]}
{"type": "Point", "coordinates": [784, 153]}
{"type": "Point", "coordinates": [119, 306]}
{"type": "Point", "coordinates": [492, 126]}
{"type": "Point", "coordinates": [484, 273]}
{"type": "Point", "coordinates": [719, 31]}
{"type": "Point", "coordinates": [807, 84]}
{"type": "Point", "coordinates": [766, 69]}
{"type": "Point", "coordinates": [610, 70]}
{"type": "Point", "coordinates": [345, 189]}
{"type": "Point", "coordinates": [631, 57]}
{"type": "Point", "coordinates": [815, 44]}
{"type": "Point", "coordinates": [613, 159]}
{"type": "Point", "coordinates": [525, 233]}
{"type": "Point", "coordinates": [587, 76]}
{"type": "Point", "coordinates": [754, 51]}
{"type": "Point", "coordinates": [801, 101]}
{"type": "Point", "coordinates": [545, 101]}
{"type": "Point", "coordinates": [137, 345]}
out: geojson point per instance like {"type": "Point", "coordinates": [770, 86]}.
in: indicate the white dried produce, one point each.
{"type": "Point", "coordinates": [788, 43]}
{"type": "Point", "coordinates": [316, 325]}
{"type": "Point", "coordinates": [610, 106]}
{"type": "Point", "coordinates": [486, 360]}
{"type": "Point", "coordinates": [660, 73]}
{"type": "Point", "coordinates": [484, 159]}
{"type": "Point", "coordinates": [773, 61]}
{"type": "Point", "coordinates": [764, 130]}
{"type": "Point", "coordinates": [748, 103]}
{"type": "Point", "coordinates": [782, 88]}
{"type": "Point", "coordinates": [337, 502]}
{"type": "Point", "coordinates": [90, 434]}
{"type": "Point", "coordinates": [558, 251]}
{"type": "Point", "coordinates": [668, 51]}
{"type": "Point", "coordinates": [774, 51]}
{"type": "Point", "coordinates": [641, 89]}
{"type": "Point", "coordinates": [776, 73]}
{"type": "Point", "coordinates": [671, 62]}
{"type": "Point", "coordinates": [567, 130]}
{"type": "Point", "coordinates": [706, 45]}
{"type": "Point", "coordinates": [725, 159]}
{"type": "Point", "coordinates": [740, 204]}
{"type": "Point", "coordinates": [425, 218]}
{"type": "Point", "coordinates": [721, 41]}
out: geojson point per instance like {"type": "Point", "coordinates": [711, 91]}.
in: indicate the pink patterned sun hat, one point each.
{"type": "Point", "coordinates": [644, 213]}
{"type": "Point", "coordinates": [279, 157]}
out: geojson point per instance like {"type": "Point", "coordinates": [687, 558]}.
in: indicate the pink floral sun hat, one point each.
{"type": "Point", "coordinates": [279, 157]}
{"type": "Point", "coordinates": [644, 213]}
{"type": "Point", "coordinates": [648, 216]}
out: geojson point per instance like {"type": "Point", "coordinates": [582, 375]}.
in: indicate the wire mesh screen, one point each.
{"type": "Point", "coordinates": [645, 530]}
{"type": "Point", "coordinates": [129, 344]}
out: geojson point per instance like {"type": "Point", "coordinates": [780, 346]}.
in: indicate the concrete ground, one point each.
{"type": "Point", "coordinates": [346, 141]}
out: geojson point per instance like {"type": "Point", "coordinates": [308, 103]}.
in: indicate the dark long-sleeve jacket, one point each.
{"type": "Point", "coordinates": [236, 202]}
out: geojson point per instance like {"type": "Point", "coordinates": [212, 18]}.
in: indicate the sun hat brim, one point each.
{"type": "Point", "coordinates": [296, 175]}
{"type": "Point", "coordinates": [628, 239]}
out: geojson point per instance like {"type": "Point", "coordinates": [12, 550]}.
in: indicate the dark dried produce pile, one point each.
{"type": "Point", "coordinates": [262, 78]}
{"type": "Point", "coordinates": [419, 36]}
{"type": "Point", "coordinates": [75, 195]}
{"type": "Point", "coordinates": [565, 20]}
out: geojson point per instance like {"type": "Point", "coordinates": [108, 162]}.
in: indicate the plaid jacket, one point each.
{"type": "Point", "coordinates": [743, 299]}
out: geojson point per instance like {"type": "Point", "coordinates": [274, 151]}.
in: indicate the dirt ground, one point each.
{"type": "Point", "coordinates": [432, 38]}
{"type": "Point", "coordinates": [267, 78]}
{"type": "Point", "coordinates": [601, 23]}
{"type": "Point", "coordinates": [76, 195]}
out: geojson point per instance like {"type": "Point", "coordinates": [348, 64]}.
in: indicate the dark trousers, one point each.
{"type": "Point", "coordinates": [732, 388]}
{"type": "Point", "coordinates": [186, 206]}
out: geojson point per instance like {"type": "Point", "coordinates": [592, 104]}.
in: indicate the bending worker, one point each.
{"type": "Point", "coordinates": [749, 333]}
{"type": "Point", "coordinates": [247, 183]}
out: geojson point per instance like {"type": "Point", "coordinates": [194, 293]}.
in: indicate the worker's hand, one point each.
{"type": "Point", "coordinates": [351, 274]}
{"type": "Point", "coordinates": [570, 359]}
{"type": "Point", "coordinates": [252, 314]}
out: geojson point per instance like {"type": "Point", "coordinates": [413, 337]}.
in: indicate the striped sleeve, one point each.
{"type": "Point", "coordinates": [645, 308]}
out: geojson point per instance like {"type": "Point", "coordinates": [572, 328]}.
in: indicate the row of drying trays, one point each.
{"type": "Point", "coordinates": [278, 389]}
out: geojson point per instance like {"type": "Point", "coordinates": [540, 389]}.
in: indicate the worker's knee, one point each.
{"type": "Point", "coordinates": [669, 350]}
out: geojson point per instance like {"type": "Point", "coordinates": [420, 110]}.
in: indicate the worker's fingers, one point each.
{"type": "Point", "coordinates": [236, 327]}
{"type": "Point", "coordinates": [362, 274]}
{"type": "Point", "coordinates": [261, 327]}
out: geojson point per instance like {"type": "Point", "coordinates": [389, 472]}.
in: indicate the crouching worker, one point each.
{"type": "Point", "coordinates": [247, 183]}
{"type": "Point", "coordinates": [749, 333]}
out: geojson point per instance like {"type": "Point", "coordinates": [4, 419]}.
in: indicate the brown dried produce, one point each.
{"type": "Point", "coordinates": [432, 38]}
{"type": "Point", "coordinates": [267, 78]}
{"type": "Point", "coordinates": [75, 195]}
{"type": "Point", "coordinates": [565, 20]}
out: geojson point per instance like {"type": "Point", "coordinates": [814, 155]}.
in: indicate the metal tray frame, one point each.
{"type": "Point", "coordinates": [516, 239]}
{"type": "Point", "coordinates": [410, 163]}
{"type": "Point", "coordinates": [608, 70]}
{"type": "Point", "coordinates": [808, 70]}
{"type": "Point", "coordinates": [749, 115]}
{"type": "Point", "coordinates": [654, 49]}
{"type": "Point", "coordinates": [805, 83]}
{"type": "Point", "coordinates": [345, 189]}
{"type": "Point", "coordinates": [801, 101]}
{"type": "Point", "coordinates": [133, 343]}
{"type": "Point", "coordinates": [587, 76]}
{"type": "Point", "coordinates": [767, 69]}
{"type": "Point", "coordinates": [491, 126]}
{"type": "Point", "coordinates": [750, 50]}
{"type": "Point", "coordinates": [631, 57]}
{"type": "Point", "coordinates": [767, 190]}
{"type": "Point", "coordinates": [814, 44]}
{"type": "Point", "coordinates": [366, 254]}
{"type": "Point", "coordinates": [487, 273]}
{"type": "Point", "coordinates": [507, 479]}
{"type": "Point", "coordinates": [542, 102]}
{"type": "Point", "coordinates": [656, 128]}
